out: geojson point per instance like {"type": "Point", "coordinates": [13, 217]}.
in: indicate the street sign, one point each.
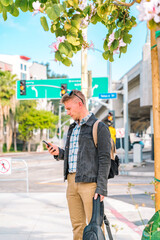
{"type": "Point", "coordinates": [108, 95]}
{"type": "Point", "coordinates": [120, 132]}
{"type": "Point", "coordinates": [51, 88]}
{"type": "Point", "coordinates": [5, 166]}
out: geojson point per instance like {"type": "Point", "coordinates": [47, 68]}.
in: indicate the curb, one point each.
{"type": "Point", "coordinates": [140, 174]}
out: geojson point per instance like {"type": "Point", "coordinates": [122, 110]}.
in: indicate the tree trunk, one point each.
{"type": "Point", "coordinates": [15, 136]}
{"type": "Point", "coordinates": [1, 129]}
{"type": "Point", "coordinates": [24, 146]}
{"type": "Point", "coordinates": [156, 116]}
{"type": "Point", "coordinates": [29, 145]}
{"type": "Point", "coordinates": [158, 46]}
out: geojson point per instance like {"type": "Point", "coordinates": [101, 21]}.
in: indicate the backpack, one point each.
{"type": "Point", "coordinates": [93, 230]}
{"type": "Point", "coordinates": [114, 162]}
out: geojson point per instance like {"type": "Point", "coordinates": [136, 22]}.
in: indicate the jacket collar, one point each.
{"type": "Point", "coordinates": [90, 121]}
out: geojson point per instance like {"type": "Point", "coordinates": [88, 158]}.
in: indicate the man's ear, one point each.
{"type": "Point", "coordinates": [80, 104]}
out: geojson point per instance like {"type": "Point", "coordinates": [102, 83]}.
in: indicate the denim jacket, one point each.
{"type": "Point", "coordinates": [93, 164]}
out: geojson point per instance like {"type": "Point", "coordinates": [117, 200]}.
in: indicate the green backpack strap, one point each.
{"type": "Point", "coordinates": [94, 132]}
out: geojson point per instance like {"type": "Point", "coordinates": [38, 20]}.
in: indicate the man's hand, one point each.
{"type": "Point", "coordinates": [54, 150]}
{"type": "Point", "coordinates": [101, 197]}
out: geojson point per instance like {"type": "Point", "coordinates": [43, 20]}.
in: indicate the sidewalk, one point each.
{"type": "Point", "coordinates": [44, 216]}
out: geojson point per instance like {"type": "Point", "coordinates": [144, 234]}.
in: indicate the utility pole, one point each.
{"type": "Point", "coordinates": [59, 124]}
{"type": "Point", "coordinates": [156, 114]}
{"type": "Point", "coordinates": [125, 109]}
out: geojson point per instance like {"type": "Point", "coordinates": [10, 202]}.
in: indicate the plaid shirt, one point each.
{"type": "Point", "coordinates": [73, 147]}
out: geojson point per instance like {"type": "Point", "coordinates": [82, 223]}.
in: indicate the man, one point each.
{"type": "Point", "coordinates": [86, 167]}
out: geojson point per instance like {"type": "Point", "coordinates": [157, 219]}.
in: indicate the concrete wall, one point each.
{"type": "Point", "coordinates": [146, 77]}
{"type": "Point", "coordinates": [38, 71]}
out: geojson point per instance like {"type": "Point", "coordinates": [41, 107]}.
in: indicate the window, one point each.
{"type": "Point", "coordinates": [25, 67]}
{"type": "Point", "coordinates": [21, 66]}
{"type": "Point", "coordinates": [23, 76]}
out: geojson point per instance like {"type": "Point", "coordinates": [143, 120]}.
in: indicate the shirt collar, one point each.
{"type": "Point", "coordinates": [84, 120]}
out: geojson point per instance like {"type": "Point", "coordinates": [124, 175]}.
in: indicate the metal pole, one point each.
{"type": "Point", "coordinates": [59, 124]}
{"type": "Point", "coordinates": [125, 107]}
{"type": "Point", "coordinates": [90, 84]}
{"type": "Point", "coordinates": [109, 67]}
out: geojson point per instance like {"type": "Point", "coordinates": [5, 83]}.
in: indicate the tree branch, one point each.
{"type": "Point", "coordinates": [119, 3]}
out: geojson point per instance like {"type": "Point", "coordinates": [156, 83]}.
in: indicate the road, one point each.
{"type": "Point", "coordinates": [46, 175]}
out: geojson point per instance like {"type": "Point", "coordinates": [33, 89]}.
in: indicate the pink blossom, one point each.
{"type": "Point", "coordinates": [149, 10]}
{"type": "Point", "coordinates": [84, 22]}
{"type": "Point", "coordinates": [111, 39]}
{"type": "Point", "coordinates": [91, 46]}
{"type": "Point", "coordinates": [82, 4]}
{"type": "Point", "coordinates": [36, 5]}
{"type": "Point", "coordinates": [121, 43]}
{"type": "Point", "coordinates": [61, 39]}
{"type": "Point", "coordinates": [54, 46]}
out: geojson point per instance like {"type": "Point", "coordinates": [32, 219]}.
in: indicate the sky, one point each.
{"type": "Point", "coordinates": [24, 35]}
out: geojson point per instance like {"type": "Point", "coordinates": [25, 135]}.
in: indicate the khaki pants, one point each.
{"type": "Point", "coordinates": [80, 201]}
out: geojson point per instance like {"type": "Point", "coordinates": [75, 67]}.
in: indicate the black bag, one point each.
{"type": "Point", "coordinates": [114, 162]}
{"type": "Point", "coordinates": [93, 230]}
{"type": "Point", "coordinates": [114, 167]}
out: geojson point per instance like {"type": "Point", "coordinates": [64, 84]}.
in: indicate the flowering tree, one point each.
{"type": "Point", "coordinates": [67, 19]}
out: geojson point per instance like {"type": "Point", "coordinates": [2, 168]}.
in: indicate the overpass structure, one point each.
{"type": "Point", "coordinates": [139, 79]}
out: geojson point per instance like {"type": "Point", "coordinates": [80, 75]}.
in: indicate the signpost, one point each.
{"type": "Point", "coordinates": [5, 166]}
{"type": "Point", "coordinates": [107, 95]}
{"type": "Point", "coordinates": [51, 88]}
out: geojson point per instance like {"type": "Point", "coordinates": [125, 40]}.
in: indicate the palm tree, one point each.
{"type": "Point", "coordinates": [7, 104]}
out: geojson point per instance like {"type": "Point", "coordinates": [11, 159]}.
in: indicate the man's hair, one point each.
{"type": "Point", "coordinates": [79, 96]}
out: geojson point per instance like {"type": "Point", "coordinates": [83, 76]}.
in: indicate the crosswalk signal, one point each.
{"type": "Point", "coordinates": [63, 89]}
{"type": "Point", "coordinates": [23, 87]}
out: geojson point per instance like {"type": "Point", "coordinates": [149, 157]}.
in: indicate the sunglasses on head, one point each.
{"type": "Point", "coordinates": [73, 93]}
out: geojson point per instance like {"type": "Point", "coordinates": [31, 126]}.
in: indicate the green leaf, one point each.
{"type": "Point", "coordinates": [53, 12]}
{"type": "Point", "coordinates": [4, 14]}
{"type": "Point", "coordinates": [127, 38]}
{"type": "Point", "coordinates": [22, 4]}
{"type": "Point", "coordinates": [58, 56]}
{"type": "Point", "coordinates": [86, 11]}
{"type": "Point", "coordinates": [73, 3]}
{"type": "Point", "coordinates": [65, 48]}
{"type": "Point", "coordinates": [6, 2]}
{"type": "Point", "coordinates": [117, 34]}
{"type": "Point", "coordinates": [14, 11]}
{"type": "Point", "coordinates": [67, 25]}
{"type": "Point", "coordinates": [106, 55]}
{"type": "Point", "coordinates": [67, 62]}
{"type": "Point", "coordinates": [44, 23]}
{"type": "Point", "coordinates": [63, 7]}
{"type": "Point", "coordinates": [75, 23]}
{"type": "Point", "coordinates": [60, 32]}
{"type": "Point", "coordinates": [114, 45]}
{"type": "Point", "coordinates": [105, 45]}
{"type": "Point", "coordinates": [111, 58]}
{"type": "Point", "coordinates": [95, 18]}
{"type": "Point", "coordinates": [123, 49]}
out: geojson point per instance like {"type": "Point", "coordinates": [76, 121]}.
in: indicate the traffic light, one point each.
{"type": "Point", "coordinates": [63, 89]}
{"type": "Point", "coordinates": [111, 118]}
{"type": "Point", "coordinates": [23, 87]}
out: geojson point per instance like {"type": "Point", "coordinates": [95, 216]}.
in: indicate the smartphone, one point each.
{"type": "Point", "coordinates": [46, 143]}
{"type": "Point", "coordinates": [49, 145]}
